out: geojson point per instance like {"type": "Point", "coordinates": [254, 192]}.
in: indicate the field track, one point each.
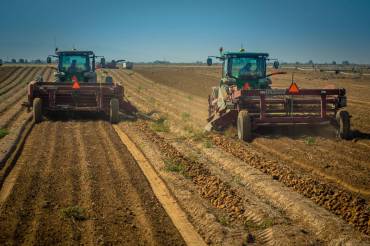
{"type": "Point", "coordinates": [332, 173]}
{"type": "Point", "coordinates": [93, 170]}
{"type": "Point", "coordinates": [73, 181]}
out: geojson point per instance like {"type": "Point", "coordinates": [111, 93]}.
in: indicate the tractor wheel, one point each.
{"type": "Point", "coordinates": [344, 124]}
{"type": "Point", "coordinates": [244, 125]}
{"type": "Point", "coordinates": [37, 110]}
{"type": "Point", "coordinates": [113, 111]}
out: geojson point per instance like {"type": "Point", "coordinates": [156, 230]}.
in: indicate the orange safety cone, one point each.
{"type": "Point", "coordinates": [75, 85]}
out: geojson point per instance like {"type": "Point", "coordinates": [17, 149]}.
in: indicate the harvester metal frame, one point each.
{"type": "Point", "coordinates": [74, 95]}
{"type": "Point", "coordinates": [248, 108]}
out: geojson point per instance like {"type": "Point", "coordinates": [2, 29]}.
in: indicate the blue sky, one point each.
{"type": "Point", "coordinates": [291, 30]}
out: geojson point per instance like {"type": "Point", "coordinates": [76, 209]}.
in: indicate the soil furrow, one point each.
{"type": "Point", "coordinates": [9, 99]}
{"type": "Point", "coordinates": [350, 200]}
{"type": "Point", "coordinates": [12, 76]}
{"type": "Point", "coordinates": [114, 185]}
{"type": "Point", "coordinates": [351, 207]}
{"type": "Point", "coordinates": [332, 168]}
{"type": "Point", "coordinates": [167, 105]}
{"type": "Point", "coordinates": [19, 79]}
{"type": "Point", "coordinates": [10, 116]}
{"type": "Point", "coordinates": [156, 91]}
{"type": "Point", "coordinates": [19, 208]}
{"type": "Point", "coordinates": [6, 72]}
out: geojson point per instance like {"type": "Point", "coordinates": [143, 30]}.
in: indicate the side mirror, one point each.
{"type": "Point", "coordinates": [102, 62]}
{"type": "Point", "coordinates": [48, 60]}
{"type": "Point", "coordinates": [209, 61]}
{"type": "Point", "coordinates": [276, 64]}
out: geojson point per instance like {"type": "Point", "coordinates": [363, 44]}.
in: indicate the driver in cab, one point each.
{"type": "Point", "coordinates": [73, 68]}
{"type": "Point", "coordinates": [247, 69]}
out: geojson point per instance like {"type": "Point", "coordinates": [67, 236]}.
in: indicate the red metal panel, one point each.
{"type": "Point", "coordinates": [295, 119]}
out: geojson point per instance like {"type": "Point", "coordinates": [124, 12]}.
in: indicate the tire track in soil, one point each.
{"type": "Point", "coordinates": [60, 190]}
{"type": "Point", "coordinates": [19, 208]}
{"type": "Point", "coordinates": [89, 236]}
{"type": "Point", "coordinates": [119, 181]}
{"type": "Point", "coordinates": [336, 200]}
{"type": "Point", "coordinates": [219, 193]}
{"type": "Point", "coordinates": [54, 175]}
{"type": "Point", "coordinates": [252, 222]}
{"type": "Point", "coordinates": [122, 172]}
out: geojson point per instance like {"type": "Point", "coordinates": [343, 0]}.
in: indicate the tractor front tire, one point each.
{"type": "Point", "coordinates": [37, 110]}
{"type": "Point", "coordinates": [244, 126]}
{"type": "Point", "coordinates": [114, 111]}
{"type": "Point", "coordinates": [344, 124]}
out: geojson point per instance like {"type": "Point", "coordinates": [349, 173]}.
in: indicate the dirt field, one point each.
{"type": "Point", "coordinates": [332, 173]}
{"type": "Point", "coordinates": [75, 182]}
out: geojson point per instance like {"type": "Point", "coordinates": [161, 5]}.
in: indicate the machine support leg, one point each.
{"type": "Point", "coordinates": [262, 106]}
{"type": "Point", "coordinates": [323, 106]}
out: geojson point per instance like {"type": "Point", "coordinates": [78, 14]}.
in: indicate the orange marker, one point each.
{"type": "Point", "coordinates": [75, 85]}
{"type": "Point", "coordinates": [293, 89]}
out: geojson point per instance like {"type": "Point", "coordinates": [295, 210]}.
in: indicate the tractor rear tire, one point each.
{"type": "Point", "coordinates": [344, 124]}
{"type": "Point", "coordinates": [37, 110]}
{"type": "Point", "coordinates": [114, 111]}
{"type": "Point", "coordinates": [244, 126]}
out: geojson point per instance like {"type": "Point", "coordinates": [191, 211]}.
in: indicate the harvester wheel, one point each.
{"type": "Point", "coordinates": [113, 112]}
{"type": "Point", "coordinates": [244, 125]}
{"type": "Point", "coordinates": [37, 110]}
{"type": "Point", "coordinates": [344, 125]}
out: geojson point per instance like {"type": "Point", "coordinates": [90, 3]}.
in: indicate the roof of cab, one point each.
{"type": "Point", "coordinates": [244, 54]}
{"type": "Point", "coordinates": [75, 52]}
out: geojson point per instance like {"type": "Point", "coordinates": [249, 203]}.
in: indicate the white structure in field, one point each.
{"type": "Point", "coordinates": [128, 65]}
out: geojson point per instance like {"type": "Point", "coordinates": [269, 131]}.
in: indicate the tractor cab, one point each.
{"type": "Point", "coordinates": [246, 70]}
{"type": "Point", "coordinates": [80, 64]}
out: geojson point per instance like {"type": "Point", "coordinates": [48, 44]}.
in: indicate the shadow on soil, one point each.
{"type": "Point", "coordinates": [90, 116]}
{"type": "Point", "coordinates": [79, 116]}
{"type": "Point", "coordinates": [302, 131]}
{"type": "Point", "coordinates": [357, 135]}
{"type": "Point", "coordinates": [297, 131]}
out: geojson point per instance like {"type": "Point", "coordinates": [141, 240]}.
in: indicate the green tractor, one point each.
{"type": "Point", "coordinates": [76, 89]}
{"type": "Point", "coordinates": [79, 64]}
{"type": "Point", "coordinates": [244, 69]}
{"type": "Point", "coordinates": [245, 98]}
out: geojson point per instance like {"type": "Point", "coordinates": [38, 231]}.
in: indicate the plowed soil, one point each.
{"type": "Point", "coordinates": [74, 182]}
{"type": "Point", "coordinates": [77, 184]}
{"type": "Point", "coordinates": [344, 166]}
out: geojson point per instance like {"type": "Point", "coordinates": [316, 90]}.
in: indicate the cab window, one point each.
{"type": "Point", "coordinates": [74, 63]}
